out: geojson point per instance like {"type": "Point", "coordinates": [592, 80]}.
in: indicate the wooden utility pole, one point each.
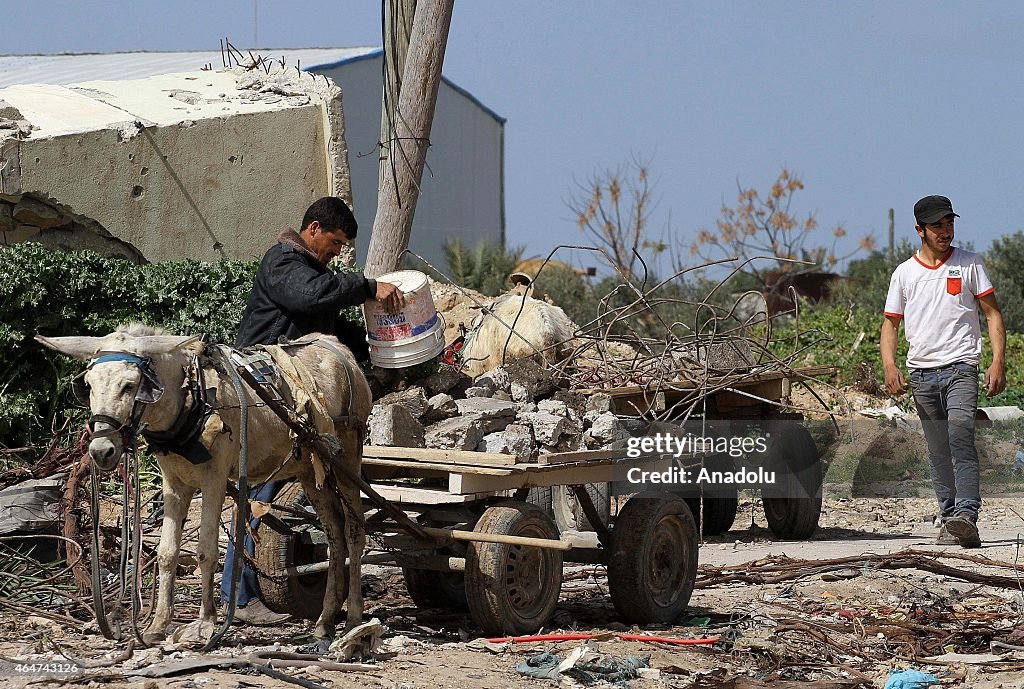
{"type": "Point", "coordinates": [397, 32]}
{"type": "Point", "coordinates": [399, 191]}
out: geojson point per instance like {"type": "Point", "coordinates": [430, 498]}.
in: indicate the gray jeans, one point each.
{"type": "Point", "coordinates": [947, 399]}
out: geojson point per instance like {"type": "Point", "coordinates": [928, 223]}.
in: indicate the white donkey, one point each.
{"type": "Point", "coordinates": [129, 368]}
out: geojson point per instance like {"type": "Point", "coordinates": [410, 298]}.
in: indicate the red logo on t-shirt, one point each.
{"type": "Point", "coordinates": [954, 285]}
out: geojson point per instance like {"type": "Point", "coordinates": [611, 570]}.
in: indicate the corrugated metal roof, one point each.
{"type": "Point", "coordinates": [76, 68]}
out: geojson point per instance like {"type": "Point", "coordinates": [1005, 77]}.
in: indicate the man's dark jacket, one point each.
{"type": "Point", "coordinates": [295, 294]}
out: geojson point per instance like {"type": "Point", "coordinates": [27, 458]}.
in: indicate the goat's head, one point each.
{"type": "Point", "coordinates": [117, 386]}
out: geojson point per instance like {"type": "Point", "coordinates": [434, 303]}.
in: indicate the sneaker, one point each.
{"type": "Point", "coordinates": [257, 614]}
{"type": "Point", "coordinates": [965, 528]}
{"type": "Point", "coordinates": [946, 538]}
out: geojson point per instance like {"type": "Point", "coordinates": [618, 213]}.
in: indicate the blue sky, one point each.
{"type": "Point", "coordinates": [873, 104]}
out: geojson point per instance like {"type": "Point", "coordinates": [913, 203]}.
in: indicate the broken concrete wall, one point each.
{"type": "Point", "coordinates": [31, 217]}
{"type": "Point", "coordinates": [201, 165]}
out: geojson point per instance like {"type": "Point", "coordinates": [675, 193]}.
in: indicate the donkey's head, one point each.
{"type": "Point", "coordinates": [118, 385]}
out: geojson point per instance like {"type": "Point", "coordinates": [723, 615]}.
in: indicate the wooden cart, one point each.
{"type": "Point", "coordinates": [756, 401]}
{"type": "Point", "coordinates": [502, 560]}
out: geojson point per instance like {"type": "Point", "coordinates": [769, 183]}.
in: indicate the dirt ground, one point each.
{"type": "Point", "coordinates": [784, 613]}
{"type": "Point", "coordinates": [863, 618]}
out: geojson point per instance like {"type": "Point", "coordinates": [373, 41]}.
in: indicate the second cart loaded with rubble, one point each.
{"type": "Point", "coordinates": [481, 531]}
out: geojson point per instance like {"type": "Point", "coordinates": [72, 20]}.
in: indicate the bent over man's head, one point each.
{"type": "Point", "coordinates": [332, 214]}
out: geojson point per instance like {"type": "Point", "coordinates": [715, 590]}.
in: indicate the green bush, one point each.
{"type": "Point", "coordinates": [484, 268]}
{"type": "Point", "coordinates": [846, 337]}
{"type": "Point", "coordinates": [1003, 262]}
{"type": "Point", "coordinates": [866, 281]}
{"type": "Point", "coordinates": [1014, 394]}
{"type": "Point", "coordinates": [53, 293]}
{"type": "Point", "coordinates": [835, 335]}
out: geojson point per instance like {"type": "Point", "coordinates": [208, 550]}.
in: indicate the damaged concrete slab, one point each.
{"type": "Point", "coordinates": [172, 166]}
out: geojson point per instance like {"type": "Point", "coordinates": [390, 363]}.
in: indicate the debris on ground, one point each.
{"type": "Point", "coordinates": [585, 665]}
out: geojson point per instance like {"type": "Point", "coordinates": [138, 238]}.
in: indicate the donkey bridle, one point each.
{"type": "Point", "coordinates": [148, 391]}
{"type": "Point", "coordinates": [184, 436]}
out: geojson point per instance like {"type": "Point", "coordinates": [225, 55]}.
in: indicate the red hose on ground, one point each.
{"type": "Point", "coordinates": [625, 637]}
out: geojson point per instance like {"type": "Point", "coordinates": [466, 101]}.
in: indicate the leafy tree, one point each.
{"type": "Point", "coordinates": [1003, 262]}
{"type": "Point", "coordinates": [485, 268]}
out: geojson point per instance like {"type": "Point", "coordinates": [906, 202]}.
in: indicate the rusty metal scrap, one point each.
{"type": "Point", "coordinates": [608, 352]}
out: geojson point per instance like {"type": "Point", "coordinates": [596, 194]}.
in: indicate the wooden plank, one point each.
{"type": "Point", "coordinates": [425, 496]}
{"type": "Point", "coordinates": [441, 468]}
{"type": "Point", "coordinates": [597, 471]}
{"type": "Point", "coordinates": [578, 456]}
{"type": "Point", "coordinates": [583, 457]}
{"type": "Point", "coordinates": [434, 456]}
{"type": "Point", "coordinates": [746, 396]}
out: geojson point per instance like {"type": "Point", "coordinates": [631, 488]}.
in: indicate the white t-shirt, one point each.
{"type": "Point", "coordinates": [939, 307]}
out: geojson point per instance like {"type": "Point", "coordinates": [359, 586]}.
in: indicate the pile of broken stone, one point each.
{"type": "Point", "coordinates": [518, 409]}
{"type": "Point", "coordinates": [13, 123]}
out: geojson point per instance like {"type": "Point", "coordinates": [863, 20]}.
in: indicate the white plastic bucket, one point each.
{"type": "Point", "coordinates": [411, 336]}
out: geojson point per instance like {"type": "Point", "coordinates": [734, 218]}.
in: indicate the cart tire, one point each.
{"type": "Point", "coordinates": [718, 514]}
{"type": "Point", "coordinates": [513, 589]}
{"type": "Point", "coordinates": [653, 561]}
{"type": "Point", "coordinates": [569, 515]}
{"type": "Point", "coordinates": [721, 501]}
{"type": "Point", "coordinates": [302, 596]}
{"type": "Point", "coordinates": [559, 504]}
{"type": "Point", "coordinates": [793, 505]}
{"type": "Point", "coordinates": [432, 589]}
{"type": "Point", "coordinates": [541, 496]}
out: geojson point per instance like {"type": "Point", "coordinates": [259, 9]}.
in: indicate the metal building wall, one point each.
{"type": "Point", "coordinates": [462, 190]}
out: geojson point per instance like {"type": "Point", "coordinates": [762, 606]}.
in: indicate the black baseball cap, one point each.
{"type": "Point", "coordinates": [932, 209]}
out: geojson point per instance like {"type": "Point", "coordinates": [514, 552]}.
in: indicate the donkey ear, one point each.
{"type": "Point", "coordinates": [164, 344]}
{"type": "Point", "coordinates": [80, 347]}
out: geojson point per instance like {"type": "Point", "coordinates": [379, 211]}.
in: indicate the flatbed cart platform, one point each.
{"type": "Point", "coordinates": [504, 564]}
{"type": "Point", "coordinates": [502, 560]}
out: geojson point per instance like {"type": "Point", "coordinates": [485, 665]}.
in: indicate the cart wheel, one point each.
{"type": "Point", "coordinates": [432, 589]}
{"type": "Point", "coordinates": [542, 497]}
{"type": "Point", "coordinates": [429, 588]}
{"type": "Point", "coordinates": [721, 501]}
{"type": "Point", "coordinates": [301, 596]}
{"type": "Point", "coordinates": [653, 562]}
{"type": "Point", "coordinates": [559, 503]}
{"type": "Point", "coordinates": [793, 505]}
{"type": "Point", "coordinates": [568, 513]}
{"type": "Point", "coordinates": [513, 589]}
{"type": "Point", "coordinates": [718, 514]}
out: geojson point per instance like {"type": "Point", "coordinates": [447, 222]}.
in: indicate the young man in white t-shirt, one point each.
{"type": "Point", "coordinates": [937, 294]}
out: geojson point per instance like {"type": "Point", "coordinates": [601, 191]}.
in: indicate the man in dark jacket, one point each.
{"type": "Point", "coordinates": [295, 294]}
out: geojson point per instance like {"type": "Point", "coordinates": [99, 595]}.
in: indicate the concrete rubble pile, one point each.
{"type": "Point", "coordinates": [525, 408]}
{"type": "Point", "coordinates": [521, 408]}
{"type": "Point", "coordinates": [518, 409]}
